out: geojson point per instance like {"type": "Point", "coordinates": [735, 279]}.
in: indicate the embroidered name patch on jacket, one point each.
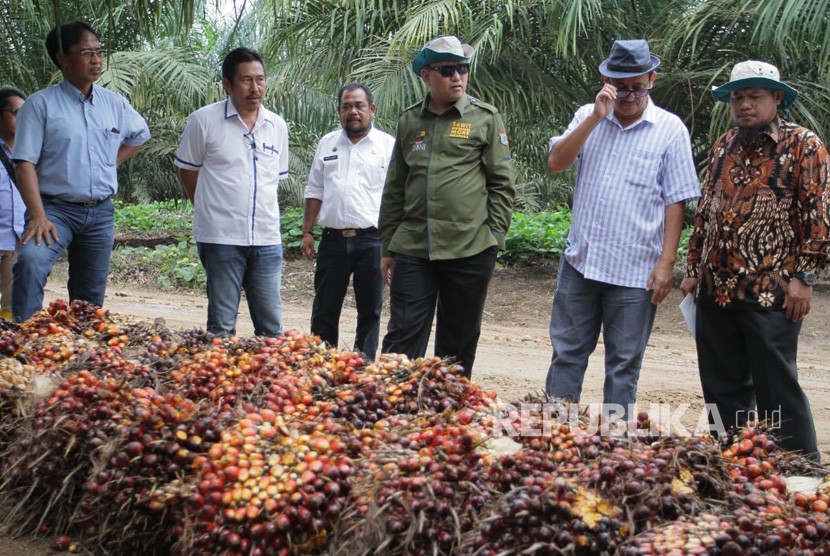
{"type": "Point", "coordinates": [460, 130]}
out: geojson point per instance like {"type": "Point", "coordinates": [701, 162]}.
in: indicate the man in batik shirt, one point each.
{"type": "Point", "coordinates": [761, 234]}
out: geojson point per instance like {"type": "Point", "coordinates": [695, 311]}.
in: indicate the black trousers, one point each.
{"type": "Point", "coordinates": [458, 287]}
{"type": "Point", "coordinates": [748, 359]}
{"type": "Point", "coordinates": [338, 259]}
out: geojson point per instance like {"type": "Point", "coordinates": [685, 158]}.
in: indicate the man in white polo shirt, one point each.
{"type": "Point", "coordinates": [345, 186]}
{"type": "Point", "coordinates": [232, 155]}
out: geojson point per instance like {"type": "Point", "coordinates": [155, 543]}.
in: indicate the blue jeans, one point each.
{"type": "Point", "coordinates": [582, 307]}
{"type": "Point", "coordinates": [87, 235]}
{"type": "Point", "coordinates": [338, 258]}
{"type": "Point", "coordinates": [232, 268]}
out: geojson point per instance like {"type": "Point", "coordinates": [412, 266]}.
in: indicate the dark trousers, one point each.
{"type": "Point", "coordinates": [748, 358]}
{"type": "Point", "coordinates": [457, 286]}
{"type": "Point", "coordinates": [338, 258]}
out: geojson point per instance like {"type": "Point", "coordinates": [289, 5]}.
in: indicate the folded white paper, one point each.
{"type": "Point", "coordinates": [687, 307]}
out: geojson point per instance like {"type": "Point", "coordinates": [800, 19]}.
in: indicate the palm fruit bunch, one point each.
{"type": "Point", "coordinates": [264, 488]}
{"type": "Point", "coordinates": [724, 534]}
{"type": "Point", "coordinates": [418, 488]}
{"type": "Point", "coordinates": [555, 517]}
{"type": "Point", "coordinates": [160, 442]}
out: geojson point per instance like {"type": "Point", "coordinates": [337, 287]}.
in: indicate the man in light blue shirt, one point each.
{"type": "Point", "coordinates": [635, 174]}
{"type": "Point", "coordinates": [71, 137]}
{"type": "Point", "coordinates": [12, 208]}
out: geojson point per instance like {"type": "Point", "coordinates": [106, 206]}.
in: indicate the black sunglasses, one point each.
{"type": "Point", "coordinates": [638, 93]}
{"type": "Point", "coordinates": [448, 71]}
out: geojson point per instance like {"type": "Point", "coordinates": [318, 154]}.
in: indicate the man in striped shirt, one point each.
{"type": "Point", "coordinates": [635, 174]}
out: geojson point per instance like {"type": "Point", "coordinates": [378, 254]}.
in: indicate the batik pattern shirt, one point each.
{"type": "Point", "coordinates": [764, 215]}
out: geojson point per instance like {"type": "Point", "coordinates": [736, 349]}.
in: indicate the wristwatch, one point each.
{"type": "Point", "coordinates": [809, 277]}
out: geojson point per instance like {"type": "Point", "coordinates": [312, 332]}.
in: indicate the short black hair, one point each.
{"type": "Point", "coordinates": [353, 87]}
{"type": "Point", "coordinates": [7, 92]}
{"type": "Point", "coordinates": [70, 35]}
{"type": "Point", "coordinates": [238, 56]}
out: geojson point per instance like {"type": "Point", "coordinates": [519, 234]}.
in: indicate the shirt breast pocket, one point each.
{"type": "Point", "coordinates": [375, 170]}
{"type": "Point", "coordinates": [643, 167]}
{"type": "Point", "coordinates": [268, 152]}
{"type": "Point", "coordinates": [112, 139]}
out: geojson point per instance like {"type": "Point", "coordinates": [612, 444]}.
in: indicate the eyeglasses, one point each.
{"type": "Point", "coordinates": [89, 53]}
{"type": "Point", "coordinates": [638, 93]}
{"type": "Point", "coordinates": [448, 71]}
{"type": "Point", "coordinates": [12, 111]}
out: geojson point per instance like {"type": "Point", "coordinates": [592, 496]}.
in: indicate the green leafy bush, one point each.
{"type": "Point", "coordinates": [683, 245]}
{"type": "Point", "coordinates": [291, 229]}
{"type": "Point", "coordinates": [167, 216]}
{"type": "Point", "coordinates": [541, 236]}
{"type": "Point", "coordinates": [535, 237]}
{"type": "Point", "coordinates": [168, 266]}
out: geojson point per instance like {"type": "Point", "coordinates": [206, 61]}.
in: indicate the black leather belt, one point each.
{"type": "Point", "coordinates": [350, 232]}
{"type": "Point", "coordinates": [94, 203]}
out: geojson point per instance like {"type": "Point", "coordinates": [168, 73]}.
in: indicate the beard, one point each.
{"type": "Point", "coordinates": [358, 130]}
{"type": "Point", "coordinates": [747, 137]}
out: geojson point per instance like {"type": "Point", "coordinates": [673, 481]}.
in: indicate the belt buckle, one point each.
{"type": "Point", "coordinates": [351, 232]}
{"type": "Point", "coordinates": [90, 203]}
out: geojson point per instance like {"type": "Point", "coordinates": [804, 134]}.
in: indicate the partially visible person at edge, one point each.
{"type": "Point", "coordinates": [345, 185]}
{"type": "Point", "coordinates": [71, 138]}
{"type": "Point", "coordinates": [762, 231]}
{"type": "Point", "coordinates": [446, 208]}
{"type": "Point", "coordinates": [232, 156]}
{"type": "Point", "coordinates": [635, 174]}
{"type": "Point", "coordinates": [12, 208]}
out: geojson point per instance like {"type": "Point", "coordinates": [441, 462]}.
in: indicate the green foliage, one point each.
{"type": "Point", "coordinates": [683, 245]}
{"type": "Point", "coordinates": [291, 229]}
{"type": "Point", "coordinates": [168, 266]}
{"type": "Point", "coordinates": [166, 216]}
{"type": "Point", "coordinates": [177, 265]}
{"type": "Point", "coordinates": [534, 237]}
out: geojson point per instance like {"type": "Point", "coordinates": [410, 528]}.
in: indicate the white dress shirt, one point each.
{"type": "Point", "coordinates": [236, 201]}
{"type": "Point", "coordinates": [349, 178]}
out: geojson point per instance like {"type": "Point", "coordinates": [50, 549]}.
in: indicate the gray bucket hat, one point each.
{"type": "Point", "coordinates": [629, 58]}
{"type": "Point", "coordinates": [753, 74]}
{"type": "Point", "coordinates": [442, 49]}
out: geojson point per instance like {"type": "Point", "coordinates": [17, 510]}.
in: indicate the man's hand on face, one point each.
{"type": "Point", "coordinates": [604, 103]}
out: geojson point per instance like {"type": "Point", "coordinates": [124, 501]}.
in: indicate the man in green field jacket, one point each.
{"type": "Point", "coordinates": [446, 208]}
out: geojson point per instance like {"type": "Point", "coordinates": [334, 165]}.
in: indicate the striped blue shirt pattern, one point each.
{"type": "Point", "coordinates": [625, 179]}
